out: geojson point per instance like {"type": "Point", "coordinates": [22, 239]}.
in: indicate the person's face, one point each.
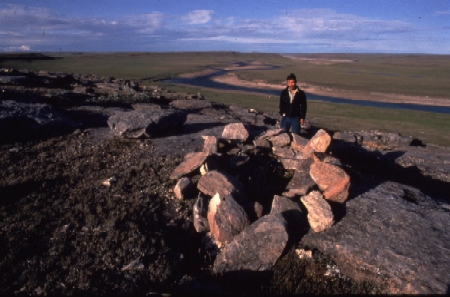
{"type": "Point", "coordinates": [291, 84]}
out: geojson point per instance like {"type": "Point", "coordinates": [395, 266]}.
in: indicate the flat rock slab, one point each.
{"type": "Point", "coordinates": [145, 123]}
{"type": "Point", "coordinates": [392, 232]}
{"type": "Point", "coordinates": [257, 248]}
{"type": "Point", "coordinates": [217, 182]}
{"type": "Point", "coordinates": [191, 162]}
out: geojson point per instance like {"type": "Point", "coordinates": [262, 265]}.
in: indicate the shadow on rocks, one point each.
{"type": "Point", "coordinates": [368, 169]}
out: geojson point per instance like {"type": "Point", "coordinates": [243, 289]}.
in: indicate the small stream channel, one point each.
{"type": "Point", "coordinates": [207, 81]}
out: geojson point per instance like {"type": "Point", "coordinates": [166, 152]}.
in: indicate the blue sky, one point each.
{"type": "Point", "coordinates": [378, 26]}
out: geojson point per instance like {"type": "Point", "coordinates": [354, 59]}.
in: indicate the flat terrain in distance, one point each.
{"type": "Point", "coordinates": [418, 79]}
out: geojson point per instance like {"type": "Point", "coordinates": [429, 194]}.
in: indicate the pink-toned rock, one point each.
{"type": "Point", "coordinates": [298, 142]}
{"type": "Point", "coordinates": [183, 188]}
{"type": "Point", "coordinates": [192, 161]}
{"type": "Point", "coordinates": [332, 180]}
{"type": "Point", "coordinates": [235, 131]}
{"type": "Point", "coordinates": [283, 152]}
{"type": "Point", "coordinates": [320, 216]}
{"type": "Point", "coordinates": [210, 144]}
{"type": "Point", "coordinates": [226, 217]}
{"type": "Point", "coordinates": [217, 182]}
{"type": "Point", "coordinates": [295, 164]}
{"type": "Point", "coordinates": [261, 142]}
{"type": "Point", "coordinates": [280, 140]}
{"type": "Point", "coordinates": [319, 142]}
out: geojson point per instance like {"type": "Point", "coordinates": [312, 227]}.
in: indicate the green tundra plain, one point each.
{"type": "Point", "coordinates": [424, 76]}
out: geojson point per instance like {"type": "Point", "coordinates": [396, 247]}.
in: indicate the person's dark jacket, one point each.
{"type": "Point", "coordinates": [298, 106]}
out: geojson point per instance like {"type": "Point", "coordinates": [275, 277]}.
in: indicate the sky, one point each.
{"type": "Point", "coordinates": [295, 26]}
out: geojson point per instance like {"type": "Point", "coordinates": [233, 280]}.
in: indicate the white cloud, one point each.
{"type": "Point", "coordinates": [198, 17]}
{"type": "Point", "coordinates": [22, 48]}
{"type": "Point", "coordinates": [442, 12]}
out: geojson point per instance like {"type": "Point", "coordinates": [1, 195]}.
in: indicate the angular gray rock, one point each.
{"type": "Point", "coordinates": [320, 216]}
{"type": "Point", "coordinates": [392, 232]}
{"type": "Point", "coordinates": [200, 212]}
{"type": "Point", "coordinates": [300, 184]}
{"type": "Point", "coordinates": [226, 217]}
{"type": "Point", "coordinates": [145, 123]}
{"type": "Point", "coordinates": [282, 203]}
{"type": "Point", "coordinates": [257, 248]}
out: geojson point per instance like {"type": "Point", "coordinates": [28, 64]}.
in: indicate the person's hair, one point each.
{"type": "Point", "coordinates": [291, 77]}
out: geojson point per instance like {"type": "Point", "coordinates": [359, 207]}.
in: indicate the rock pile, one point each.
{"type": "Point", "coordinates": [253, 242]}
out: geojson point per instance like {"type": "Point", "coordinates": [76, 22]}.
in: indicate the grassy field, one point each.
{"type": "Point", "coordinates": [428, 127]}
{"type": "Point", "coordinates": [424, 75]}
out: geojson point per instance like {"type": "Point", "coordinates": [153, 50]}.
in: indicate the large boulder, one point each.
{"type": "Point", "coordinates": [332, 180]}
{"type": "Point", "coordinates": [226, 217]}
{"type": "Point", "coordinates": [257, 248]}
{"type": "Point", "coordinates": [24, 121]}
{"type": "Point", "coordinates": [145, 123]}
{"type": "Point", "coordinates": [392, 232]}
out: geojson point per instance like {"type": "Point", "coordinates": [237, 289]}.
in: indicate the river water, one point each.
{"type": "Point", "coordinates": [207, 81]}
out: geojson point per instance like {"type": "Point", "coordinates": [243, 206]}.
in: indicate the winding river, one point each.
{"type": "Point", "coordinates": [207, 81]}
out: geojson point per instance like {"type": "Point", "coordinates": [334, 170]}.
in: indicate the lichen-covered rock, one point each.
{"type": "Point", "coordinates": [235, 131]}
{"type": "Point", "coordinates": [226, 217]}
{"type": "Point", "coordinates": [320, 216]}
{"type": "Point", "coordinates": [332, 180]}
{"type": "Point", "coordinates": [257, 248]}
{"type": "Point", "coordinates": [392, 232]}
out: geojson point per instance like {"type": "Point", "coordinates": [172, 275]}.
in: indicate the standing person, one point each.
{"type": "Point", "coordinates": [292, 106]}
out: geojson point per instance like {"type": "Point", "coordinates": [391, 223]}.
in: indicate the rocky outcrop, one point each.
{"type": "Point", "coordinates": [391, 233]}
{"type": "Point", "coordinates": [218, 182]}
{"type": "Point", "coordinates": [256, 248]}
{"type": "Point", "coordinates": [21, 121]}
{"type": "Point", "coordinates": [148, 123]}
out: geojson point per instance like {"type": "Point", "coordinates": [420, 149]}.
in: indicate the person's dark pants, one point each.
{"type": "Point", "coordinates": [290, 122]}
